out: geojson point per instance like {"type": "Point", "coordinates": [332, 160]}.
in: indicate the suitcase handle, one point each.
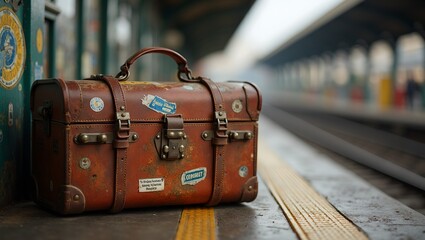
{"type": "Point", "coordinates": [179, 59]}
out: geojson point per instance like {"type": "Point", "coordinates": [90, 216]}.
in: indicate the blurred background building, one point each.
{"type": "Point", "coordinates": [343, 51]}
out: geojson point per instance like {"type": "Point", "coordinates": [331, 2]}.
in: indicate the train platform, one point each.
{"type": "Point", "coordinates": [303, 195]}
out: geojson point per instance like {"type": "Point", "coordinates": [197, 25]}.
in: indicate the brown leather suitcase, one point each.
{"type": "Point", "coordinates": [106, 143]}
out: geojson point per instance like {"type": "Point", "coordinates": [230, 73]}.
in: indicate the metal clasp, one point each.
{"type": "Point", "coordinates": [171, 142]}
{"type": "Point", "coordinates": [234, 135]}
{"type": "Point", "coordinates": [222, 122]}
{"type": "Point", "coordinates": [101, 138]}
{"type": "Point", "coordinates": [123, 124]}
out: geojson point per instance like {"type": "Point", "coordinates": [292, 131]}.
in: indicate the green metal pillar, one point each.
{"type": "Point", "coordinates": [21, 61]}
{"type": "Point", "coordinates": [80, 38]}
{"type": "Point", "coordinates": [12, 92]}
{"type": "Point", "coordinates": [394, 66]}
{"type": "Point", "coordinates": [34, 11]}
{"type": "Point", "coordinates": [103, 38]}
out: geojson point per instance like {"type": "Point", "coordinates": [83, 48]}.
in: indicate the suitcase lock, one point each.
{"type": "Point", "coordinates": [171, 142]}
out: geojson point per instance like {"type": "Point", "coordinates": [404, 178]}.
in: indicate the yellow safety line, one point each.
{"type": "Point", "coordinates": [197, 223]}
{"type": "Point", "coordinates": [310, 215]}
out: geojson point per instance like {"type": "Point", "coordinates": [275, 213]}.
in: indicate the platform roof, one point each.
{"type": "Point", "coordinates": [206, 25]}
{"type": "Point", "coordinates": [353, 23]}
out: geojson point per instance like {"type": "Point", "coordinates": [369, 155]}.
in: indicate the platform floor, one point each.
{"type": "Point", "coordinates": [373, 213]}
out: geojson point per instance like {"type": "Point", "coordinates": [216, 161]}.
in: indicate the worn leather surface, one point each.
{"type": "Point", "coordinates": [56, 159]}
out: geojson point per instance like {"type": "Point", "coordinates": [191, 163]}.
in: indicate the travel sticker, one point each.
{"type": "Point", "coordinates": [151, 184]}
{"type": "Point", "coordinates": [243, 171]}
{"type": "Point", "coordinates": [12, 49]}
{"type": "Point", "coordinates": [194, 176]}
{"type": "Point", "coordinates": [158, 104]}
{"type": "Point", "coordinates": [97, 104]}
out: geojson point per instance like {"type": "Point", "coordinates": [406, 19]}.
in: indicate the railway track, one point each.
{"type": "Point", "coordinates": [394, 164]}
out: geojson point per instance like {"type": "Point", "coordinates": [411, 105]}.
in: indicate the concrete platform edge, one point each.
{"type": "Point", "coordinates": [378, 215]}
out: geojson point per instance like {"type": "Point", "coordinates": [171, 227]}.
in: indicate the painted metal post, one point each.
{"type": "Point", "coordinates": [80, 39]}
{"type": "Point", "coordinates": [103, 38]}
{"type": "Point", "coordinates": [21, 61]}
{"type": "Point", "coordinates": [12, 92]}
{"type": "Point", "coordinates": [394, 67]}
{"type": "Point", "coordinates": [33, 20]}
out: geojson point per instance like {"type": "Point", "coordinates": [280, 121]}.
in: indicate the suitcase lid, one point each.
{"type": "Point", "coordinates": [90, 101]}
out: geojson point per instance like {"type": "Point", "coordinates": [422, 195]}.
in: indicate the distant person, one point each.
{"type": "Point", "coordinates": [412, 88]}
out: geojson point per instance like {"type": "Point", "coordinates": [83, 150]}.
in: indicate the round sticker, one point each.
{"type": "Point", "coordinates": [96, 104]}
{"type": "Point", "coordinates": [243, 171]}
{"type": "Point", "coordinates": [237, 106]}
{"type": "Point", "coordinates": [12, 49]}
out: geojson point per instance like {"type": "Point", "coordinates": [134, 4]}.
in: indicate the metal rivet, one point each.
{"type": "Point", "coordinates": [235, 134]}
{"type": "Point", "coordinates": [102, 138]}
{"type": "Point", "coordinates": [164, 156]}
{"type": "Point", "coordinates": [250, 188]}
{"type": "Point", "coordinates": [220, 113]}
{"type": "Point", "coordinates": [180, 134]}
{"type": "Point", "coordinates": [184, 136]}
{"type": "Point", "coordinates": [76, 197]}
{"type": "Point", "coordinates": [84, 138]}
{"type": "Point", "coordinates": [181, 148]}
{"type": "Point", "coordinates": [135, 137]}
{"type": "Point", "coordinates": [166, 148]}
{"type": "Point", "coordinates": [122, 108]}
{"type": "Point", "coordinates": [122, 114]}
{"type": "Point", "coordinates": [172, 134]}
{"type": "Point", "coordinates": [205, 135]}
{"type": "Point", "coordinates": [182, 155]}
{"type": "Point", "coordinates": [248, 135]}
{"type": "Point", "coordinates": [158, 136]}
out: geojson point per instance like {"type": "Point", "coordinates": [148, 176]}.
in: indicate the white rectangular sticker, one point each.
{"type": "Point", "coordinates": [151, 184]}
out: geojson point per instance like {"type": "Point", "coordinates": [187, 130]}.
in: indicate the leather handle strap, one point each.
{"type": "Point", "coordinates": [120, 143]}
{"type": "Point", "coordinates": [179, 59]}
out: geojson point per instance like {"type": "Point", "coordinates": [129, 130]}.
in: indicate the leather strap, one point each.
{"type": "Point", "coordinates": [120, 143]}
{"type": "Point", "coordinates": [219, 141]}
{"type": "Point", "coordinates": [179, 59]}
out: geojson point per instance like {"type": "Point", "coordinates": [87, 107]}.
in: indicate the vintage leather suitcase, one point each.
{"type": "Point", "coordinates": [106, 143]}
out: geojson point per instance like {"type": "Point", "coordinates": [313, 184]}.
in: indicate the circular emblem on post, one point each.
{"type": "Point", "coordinates": [12, 49]}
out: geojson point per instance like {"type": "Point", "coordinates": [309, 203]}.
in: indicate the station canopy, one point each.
{"type": "Point", "coordinates": [353, 23]}
{"type": "Point", "coordinates": [206, 26]}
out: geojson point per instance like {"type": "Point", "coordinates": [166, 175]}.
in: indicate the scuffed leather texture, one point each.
{"type": "Point", "coordinates": [56, 158]}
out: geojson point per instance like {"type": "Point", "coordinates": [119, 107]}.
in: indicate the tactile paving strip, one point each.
{"type": "Point", "coordinates": [197, 223]}
{"type": "Point", "coordinates": [310, 215]}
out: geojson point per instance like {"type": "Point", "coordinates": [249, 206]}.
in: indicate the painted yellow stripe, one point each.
{"type": "Point", "coordinates": [197, 223]}
{"type": "Point", "coordinates": [310, 215]}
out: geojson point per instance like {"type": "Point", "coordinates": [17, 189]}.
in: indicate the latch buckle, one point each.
{"type": "Point", "coordinates": [123, 125]}
{"type": "Point", "coordinates": [171, 142]}
{"type": "Point", "coordinates": [222, 124]}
